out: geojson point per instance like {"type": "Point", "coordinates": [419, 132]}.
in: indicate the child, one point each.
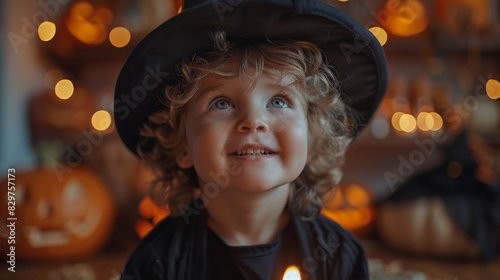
{"type": "Point", "coordinates": [245, 114]}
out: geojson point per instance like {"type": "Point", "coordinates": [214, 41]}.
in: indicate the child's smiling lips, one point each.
{"type": "Point", "coordinates": [253, 150]}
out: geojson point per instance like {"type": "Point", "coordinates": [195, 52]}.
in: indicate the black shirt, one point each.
{"type": "Point", "coordinates": [181, 248]}
{"type": "Point", "coordinates": [256, 262]}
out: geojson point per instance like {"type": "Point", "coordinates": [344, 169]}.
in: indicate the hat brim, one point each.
{"type": "Point", "coordinates": [352, 50]}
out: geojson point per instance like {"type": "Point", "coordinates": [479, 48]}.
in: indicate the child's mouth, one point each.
{"type": "Point", "coordinates": [252, 152]}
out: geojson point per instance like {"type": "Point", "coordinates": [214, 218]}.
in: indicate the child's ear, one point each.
{"type": "Point", "coordinates": [184, 159]}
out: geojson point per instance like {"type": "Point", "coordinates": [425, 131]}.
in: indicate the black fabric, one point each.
{"type": "Point", "coordinates": [266, 261]}
{"type": "Point", "coordinates": [178, 249]}
{"type": "Point", "coordinates": [242, 262]}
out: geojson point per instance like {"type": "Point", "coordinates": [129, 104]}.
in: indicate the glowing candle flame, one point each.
{"type": "Point", "coordinates": [292, 273]}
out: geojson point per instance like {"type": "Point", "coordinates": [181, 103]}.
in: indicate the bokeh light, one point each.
{"type": "Point", "coordinates": [88, 22]}
{"type": "Point", "coordinates": [380, 128]}
{"type": "Point", "coordinates": [437, 121]}
{"type": "Point", "coordinates": [64, 89]}
{"type": "Point", "coordinates": [408, 123]}
{"type": "Point", "coordinates": [493, 89]}
{"type": "Point", "coordinates": [46, 31]}
{"type": "Point", "coordinates": [408, 20]}
{"type": "Point", "coordinates": [395, 121]}
{"type": "Point", "coordinates": [101, 120]}
{"type": "Point", "coordinates": [119, 37]}
{"type": "Point", "coordinates": [357, 196]}
{"type": "Point", "coordinates": [425, 121]}
{"type": "Point", "coordinates": [380, 34]}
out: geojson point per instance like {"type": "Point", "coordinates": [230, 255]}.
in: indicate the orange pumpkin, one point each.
{"type": "Point", "coordinates": [64, 217]}
{"type": "Point", "coordinates": [151, 213]}
{"type": "Point", "coordinates": [351, 207]}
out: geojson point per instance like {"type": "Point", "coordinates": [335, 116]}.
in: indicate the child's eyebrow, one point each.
{"type": "Point", "coordinates": [201, 92]}
{"type": "Point", "coordinates": [285, 88]}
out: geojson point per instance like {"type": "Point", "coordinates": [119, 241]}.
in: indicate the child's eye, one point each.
{"type": "Point", "coordinates": [220, 104]}
{"type": "Point", "coordinates": [278, 102]}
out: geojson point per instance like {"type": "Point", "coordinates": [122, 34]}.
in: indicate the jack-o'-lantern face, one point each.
{"type": "Point", "coordinates": [65, 217]}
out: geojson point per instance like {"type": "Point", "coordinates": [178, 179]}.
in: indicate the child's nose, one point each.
{"type": "Point", "coordinates": [253, 121]}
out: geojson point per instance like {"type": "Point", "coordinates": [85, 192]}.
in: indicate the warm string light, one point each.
{"type": "Point", "coordinates": [379, 33]}
{"type": "Point", "coordinates": [493, 89]}
{"type": "Point", "coordinates": [101, 120]}
{"type": "Point", "coordinates": [119, 37]}
{"type": "Point", "coordinates": [46, 31]}
{"type": "Point", "coordinates": [64, 89]}
{"type": "Point", "coordinates": [425, 121]}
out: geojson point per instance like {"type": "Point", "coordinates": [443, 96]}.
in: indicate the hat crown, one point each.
{"type": "Point", "coordinates": [188, 4]}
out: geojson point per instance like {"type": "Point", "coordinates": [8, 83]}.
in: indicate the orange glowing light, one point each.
{"type": "Point", "coordinates": [493, 89]}
{"type": "Point", "coordinates": [64, 89]}
{"type": "Point", "coordinates": [408, 123]}
{"type": "Point", "coordinates": [396, 117]}
{"type": "Point", "coordinates": [357, 195]}
{"type": "Point", "coordinates": [152, 214]}
{"type": "Point", "coordinates": [380, 34]}
{"type": "Point", "coordinates": [425, 121]}
{"type": "Point", "coordinates": [119, 37]}
{"type": "Point", "coordinates": [101, 120]}
{"type": "Point", "coordinates": [437, 121]}
{"type": "Point", "coordinates": [292, 273]}
{"type": "Point", "coordinates": [408, 19]}
{"type": "Point", "coordinates": [353, 211]}
{"type": "Point", "coordinates": [46, 31]}
{"type": "Point", "coordinates": [88, 23]}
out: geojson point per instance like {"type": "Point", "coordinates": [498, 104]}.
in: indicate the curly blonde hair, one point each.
{"type": "Point", "coordinates": [330, 128]}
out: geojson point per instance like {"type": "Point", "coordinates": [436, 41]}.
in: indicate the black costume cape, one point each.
{"type": "Point", "coordinates": [176, 249]}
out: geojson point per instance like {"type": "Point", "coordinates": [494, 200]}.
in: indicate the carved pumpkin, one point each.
{"type": "Point", "coordinates": [351, 207]}
{"type": "Point", "coordinates": [59, 217]}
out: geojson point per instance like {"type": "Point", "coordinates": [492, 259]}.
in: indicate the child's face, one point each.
{"type": "Point", "coordinates": [246, 138]}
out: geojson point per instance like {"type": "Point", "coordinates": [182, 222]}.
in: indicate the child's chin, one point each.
{"type": "Point", "coordinates": [263, 188]}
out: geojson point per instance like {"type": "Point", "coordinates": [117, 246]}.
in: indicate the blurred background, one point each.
{"type": "Point", "coordinates": [421, 185]}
